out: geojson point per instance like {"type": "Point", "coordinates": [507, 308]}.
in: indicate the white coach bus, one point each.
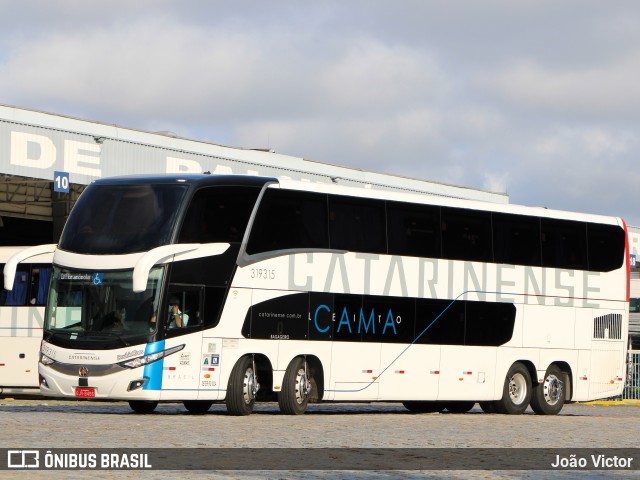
{"type": "Point", "coordinates": [21, 320]}
{"type": "Point", "coordinates": [240, 289]}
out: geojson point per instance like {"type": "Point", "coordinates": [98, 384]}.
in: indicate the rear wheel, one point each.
{"type": "Point", "coordinates": [242, 388]}
{"type": "Point", "coordinates": [296, 388]}
{"type": "Point", "coordinates": [196, 406]}
{"type": "Point", "coordinates": [488, 406]}
{"type": "Point", "coordinates": [140, 406]}
{"type": "Point", "coordinates": [516, 392]}
{"type": "Point", "coordinates": [548, 397]}
{"type": "Point", "coordinates": [459, 407]}
{"type": "Point", "coordinates": [423, 407]}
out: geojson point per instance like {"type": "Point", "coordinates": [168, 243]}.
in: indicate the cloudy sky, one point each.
{"type": "Point", "coordinates": [538, 98]}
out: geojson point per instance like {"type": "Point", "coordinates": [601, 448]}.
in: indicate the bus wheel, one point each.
{"type": "Point", "coordinates": [424, 407]}
{"type": "Point", "coordinates": [296, 388]}
{"type": "Point", "coordinates": [140, 406]}
{"type": "Point", "coordinates": [459, 407]}
{"type": "Point", "coordinates": [242, 388]}
{"type": "Point", "coordinates": [516, 393]}
{"type": "Point", "coordinates": [488, 406]}
{"type": "Point", "coordinates": [548, 397]}
{"type": "Point", "coordinates": [195, 406]}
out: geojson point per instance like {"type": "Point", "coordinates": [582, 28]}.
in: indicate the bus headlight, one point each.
{"type": "Point", "coordinates": [152, 357]}
{"type": "Point", "coordinates": [45, 360]}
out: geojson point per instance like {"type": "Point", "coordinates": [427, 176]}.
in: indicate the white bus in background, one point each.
{"type": "Point", "coordinates": [21, 319]}
{"type": "Point", "coordinates": [210, 288]}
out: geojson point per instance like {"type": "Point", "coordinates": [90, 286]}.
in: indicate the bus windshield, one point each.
{"type": "Point", "coordinates": [95, 304]}
{"type": "Point", "coordinates": [122, 219]}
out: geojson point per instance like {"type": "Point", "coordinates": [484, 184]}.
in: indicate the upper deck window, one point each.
{"type": "Point", "coordinates": [122, 219]}
{"type": "Point", "coordinates": [218, 214]}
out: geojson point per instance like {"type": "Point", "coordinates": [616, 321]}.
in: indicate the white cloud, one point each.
{"type": "Point", "coordinates": [595, 89]}
{"type": "Point", "coordinates": [539, 97]}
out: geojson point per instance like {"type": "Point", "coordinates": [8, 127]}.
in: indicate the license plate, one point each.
{"type": "Point", "coordinates": [85, 392]}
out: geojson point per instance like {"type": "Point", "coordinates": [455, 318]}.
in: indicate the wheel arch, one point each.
{"type": "Point", "coordinates": [528, 364]}
{"type": "Point", "coordinates": [317, 373]}
{"type": "Point", "coordinates": [265, 372]}
{"type": "Point", "coordinates": [565, 368]}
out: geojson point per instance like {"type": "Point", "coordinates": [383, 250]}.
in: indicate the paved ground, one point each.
{"type": "Point", "coordinates": [45, 423]}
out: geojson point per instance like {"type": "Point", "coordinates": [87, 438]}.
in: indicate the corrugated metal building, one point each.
{"type": "Point", "coordinates": [34, 145]}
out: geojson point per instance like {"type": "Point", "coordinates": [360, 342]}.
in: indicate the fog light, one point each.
{"type": "Point", "coordinates": [136, 384]}
{"type": "Point", "coordinates": [43, 382]}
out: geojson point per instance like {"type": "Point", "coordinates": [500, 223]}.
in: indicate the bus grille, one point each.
{"type": "Point", "coordinates": [608, 326]}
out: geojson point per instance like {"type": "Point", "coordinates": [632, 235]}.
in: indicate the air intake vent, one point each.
{"type": "Point", "coordinates": [608, 326]}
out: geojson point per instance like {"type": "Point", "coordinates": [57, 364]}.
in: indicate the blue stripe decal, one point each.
{"type": "Point", "coordinates": [153, 371]}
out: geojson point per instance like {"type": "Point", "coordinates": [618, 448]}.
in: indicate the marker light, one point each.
{"type": "Point", "coordinates": [152, 357]}
{"type": "Point", "coordinates": [45, 360]}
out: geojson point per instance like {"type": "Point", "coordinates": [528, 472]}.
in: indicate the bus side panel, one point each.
{"type": "Point", "coordinates": [20, 337]}
{"type": "Point", "coordinates": [607, 372]}
{"type": "Point", "coordinates": [581, 376]}
{"type": "Point", "coordinates": [467, 373]}
{"type": "Point", "coordinates": [210, 364]}
{"type": "Point", "coordinates": [180, 371]}
{"type": "Point", "coordinates": [409, 373]}
{"type": "Point", "coordinates": [549, 327]}
{"type": "Point", "coordinates": [355, 368]}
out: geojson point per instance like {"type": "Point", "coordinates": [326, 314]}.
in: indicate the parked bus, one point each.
{"type": "Point", "coordinates": [210, 288]}
{"type": "Point", "coordinates": [21, 320]}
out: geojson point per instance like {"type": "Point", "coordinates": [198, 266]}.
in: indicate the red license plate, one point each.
{"type": "Point", "coordinates": [85, 392]}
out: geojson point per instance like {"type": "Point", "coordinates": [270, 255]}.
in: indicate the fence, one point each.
{"type": "Point", "coordinates": [632, 386]}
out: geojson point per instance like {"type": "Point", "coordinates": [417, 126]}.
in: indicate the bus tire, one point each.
{"type": "Point", "coordinates": [548, 397]}
{"type": "Point", "coordinates": [423, 406]}
{"type": "Point", "coordinates": [197, 406]}
{"type": "Point", "coordinates": [240, 397]}
{"type": "Point", "coordinates": [296, 388]}
{"type": "Point", "coordinates": [460, 406]}
{"type": "Point", "coordinates": [488, 406]}
{"type": "Point", "coordinates": [140, 406]}
{"type": "Point", "coordinates": [516, 393]}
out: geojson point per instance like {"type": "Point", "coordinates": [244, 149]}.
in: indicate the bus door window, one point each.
{"type": "Point", "coordinates": [184, 308]}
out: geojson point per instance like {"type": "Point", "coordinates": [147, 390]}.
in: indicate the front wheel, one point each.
{"type": "Point", "coordinates": [140, 406]}
{"type": "Point", "coordinates": [423, 406]}
{"type": "Point", "coordinates": [296, 388]}
{"type": "Point", "coordinates": [242, 388]}
{"type": "Point", "coordinates": [197, 406]}
{"type": "Point", "coordinates": [548, 397]}
{"type": "Point", "coordinates": [516, 392]}
{"type": "Point", "coordinates": [488, 406]}
{"type": "Point", "coordinates": [460, 406]}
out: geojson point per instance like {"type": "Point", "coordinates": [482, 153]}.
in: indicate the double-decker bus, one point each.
{"type": "Point", "coordinates": [21, 320]}
{"type": "Point", "coordinates": [210, 288]}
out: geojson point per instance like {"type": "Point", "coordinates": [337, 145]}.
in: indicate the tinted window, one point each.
{"type": "Point", "coordinates": [184, 309]}
{"type": "Point", "coordinates": [414, 230]}
{"type": "Point", "coordinates": [516, 239]}
{"type": "Point", "coordinates": [466, 235]}
{"type": "Point", "coordinates": [440, 322]}
{"type": "Point", "coordinates": [287, 220]}
{"type": "Point", "coordinates": [121, 219]}
{"type": "Point", "coordinates": [218, 214]}
{"type": "Point", "coordinates": [606, 247]}
{"type": "Point", "coordinates": [357, 225]}
{"type": "Point", "coordinates": [564, 244]}
{"type": "Point", "coordinates": [30, 286]}
{"type": "Point", "coordinates": [488, 323]}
